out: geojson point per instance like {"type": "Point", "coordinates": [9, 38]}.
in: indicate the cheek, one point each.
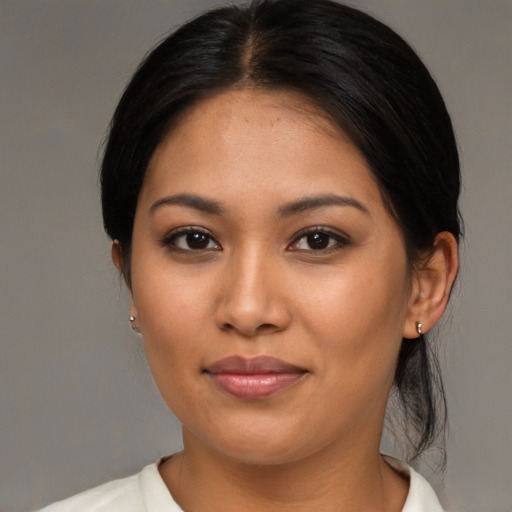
{"type": "Point", "coordinates": [172, 314]}
{"type": "Point", "coordinates": [356, 326]}
{"type": "Point", "coordinates": [356, 312]}
{"type": "Point", "coordinates": [171, 333]}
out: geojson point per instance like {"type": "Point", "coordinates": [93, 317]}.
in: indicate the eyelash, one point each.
{"type": "Point", "coordinates": [340, 240]}
{"type": "Point", "coordinates": [170, 240]}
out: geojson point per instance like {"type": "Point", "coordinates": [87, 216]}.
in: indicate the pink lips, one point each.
{"type": "Point", "coordinates": [253, 378]}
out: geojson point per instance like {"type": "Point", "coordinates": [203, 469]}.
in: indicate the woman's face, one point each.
{"type": "Point", "coordinates": [269, 280]}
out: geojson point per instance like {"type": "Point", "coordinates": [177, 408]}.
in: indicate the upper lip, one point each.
{"type": "Point", "coordinates": [252, 366]}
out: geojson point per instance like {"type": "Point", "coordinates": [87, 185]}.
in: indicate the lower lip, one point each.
{"type": "Point", "coordinates": [255, 386]}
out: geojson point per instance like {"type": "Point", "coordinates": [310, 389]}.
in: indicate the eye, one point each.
{"type": "Point", "coordinates": [191, 239]}
{"type": "Point", "coordinates": [318, 239]}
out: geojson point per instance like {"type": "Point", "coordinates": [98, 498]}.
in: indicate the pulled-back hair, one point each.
{"type": "Point", "coordinates": [364, 77]}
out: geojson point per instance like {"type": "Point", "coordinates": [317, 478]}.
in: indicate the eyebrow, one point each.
{"type": "Point", "coordinates": [190, 201]}
{"type": "Point", "coordinates": [321, 201]}
{"type": "Point", "coordinates": [302, 205]}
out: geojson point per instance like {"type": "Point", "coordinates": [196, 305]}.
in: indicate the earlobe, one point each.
{"type": "Point", "coordinates": [432, 285]}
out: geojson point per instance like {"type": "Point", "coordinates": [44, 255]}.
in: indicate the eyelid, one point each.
{"type": "Point", "coordinates": [167, 240]}
{"type": "Point", "coordinates": [341, 238]}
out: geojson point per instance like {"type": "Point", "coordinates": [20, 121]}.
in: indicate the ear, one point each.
{"type": "Point", "coordinates": [117, 258]}
{"type": "Point", "coordinates": [117, 255]}
{"type": "Point", "coordinates": [432, 284]}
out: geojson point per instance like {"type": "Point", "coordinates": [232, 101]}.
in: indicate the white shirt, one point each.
{"type": "Point", "coordinates": [147, 492]}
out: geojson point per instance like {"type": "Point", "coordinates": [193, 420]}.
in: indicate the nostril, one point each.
{"type": "Point", "coordinates": [227, 327]}
{"type": "Point", "coordinates": [249, 331]}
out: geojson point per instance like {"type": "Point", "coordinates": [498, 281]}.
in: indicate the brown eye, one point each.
{"type": "Point", "coordinates": [197, 241]}
{"type": "Point", "coordinates": [191, 239]}
{"type": "Point", "coordinates": [317, 239]}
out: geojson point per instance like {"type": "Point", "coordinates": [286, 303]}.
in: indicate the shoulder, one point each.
{"type": "Point", "coordinates": [143, 492]}
{"type": "Point", "coordinates": [421, 496]}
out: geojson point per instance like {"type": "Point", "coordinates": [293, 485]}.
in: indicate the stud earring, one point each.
{"type": "Point", "coordinates": [419, 328]}
{"type": "Point", "coordinates": [133, 325]}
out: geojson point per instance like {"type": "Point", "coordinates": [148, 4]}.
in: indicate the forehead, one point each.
{"type": "Point", "coordinates": [273, 143]}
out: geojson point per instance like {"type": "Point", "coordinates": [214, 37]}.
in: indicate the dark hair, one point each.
{"type": "Point", "coordinates": [359, 73]}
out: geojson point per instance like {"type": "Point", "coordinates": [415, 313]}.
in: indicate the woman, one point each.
{"type": "Point", "coordinates": [280, 184]}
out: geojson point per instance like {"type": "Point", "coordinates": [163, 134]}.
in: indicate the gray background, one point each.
{"type": "Point", "coordinates": [78, 406]}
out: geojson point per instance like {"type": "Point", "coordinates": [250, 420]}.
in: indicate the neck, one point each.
{"type": "Point", "coordinates": [335, 479]}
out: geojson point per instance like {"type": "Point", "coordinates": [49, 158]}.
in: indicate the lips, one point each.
{"type": "Point", "coordinates": [254, 378]}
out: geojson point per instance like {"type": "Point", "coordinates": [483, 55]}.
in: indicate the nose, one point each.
{"type": "Point", "coordinates": [253, 296]}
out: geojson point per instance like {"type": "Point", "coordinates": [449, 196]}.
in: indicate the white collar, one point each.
{"type": "Point", "coordinates": [421, 496]}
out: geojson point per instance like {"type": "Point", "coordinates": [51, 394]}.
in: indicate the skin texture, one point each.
{"type": "Point", "coordinates": [257, 287]}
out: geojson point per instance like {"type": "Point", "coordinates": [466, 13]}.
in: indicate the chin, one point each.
{"type": "Point", "coordinates": [264, 454]}
{"type": "Point", "coordinates": [260, 446]}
